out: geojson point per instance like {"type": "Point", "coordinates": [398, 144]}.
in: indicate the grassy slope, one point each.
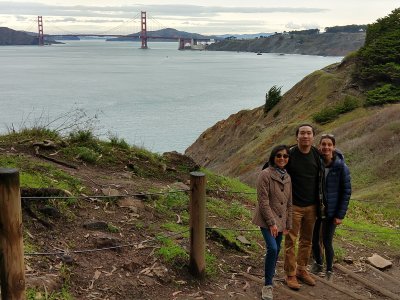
{"type": "Point", "coordinates": [369, 137]}
{"type": "Point", "coordinates": [224, 209]}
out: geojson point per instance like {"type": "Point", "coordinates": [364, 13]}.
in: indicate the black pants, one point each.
{"type": "Point", "coordinates": [324, 228]}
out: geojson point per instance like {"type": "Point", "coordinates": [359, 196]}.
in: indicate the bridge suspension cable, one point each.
{"type": "Point", "coordinates": [63, 31]}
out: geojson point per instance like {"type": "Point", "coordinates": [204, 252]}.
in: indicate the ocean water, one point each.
{"type": "Point", "coordinates": [159, 98]}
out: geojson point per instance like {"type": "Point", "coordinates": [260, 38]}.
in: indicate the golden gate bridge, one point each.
{"type": "Point", "coordinates": [143, 35]}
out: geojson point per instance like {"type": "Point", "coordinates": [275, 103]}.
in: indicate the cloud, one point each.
{"type": "Point", "coordinates": [21, 18]}
{"type": "Point", "coordinates": [128, 11]}
{"type": "Point", "coordinates": [293, 26]}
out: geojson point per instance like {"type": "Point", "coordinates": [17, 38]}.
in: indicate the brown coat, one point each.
{"type": "Point", "coordinates": [274, 200]}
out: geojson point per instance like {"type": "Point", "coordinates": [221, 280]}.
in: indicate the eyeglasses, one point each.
{"type": "Point", "coordinates": [279, 155]}
{"type": "Point", "coordinates": [327, 135]}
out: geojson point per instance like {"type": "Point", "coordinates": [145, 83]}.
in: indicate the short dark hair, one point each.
{"type": "Point", "coordinates": [328, 136]}
{"type": "Point", "coordinates": [305, 124]}
{"type": "Point", "coordinates": [274, 151]}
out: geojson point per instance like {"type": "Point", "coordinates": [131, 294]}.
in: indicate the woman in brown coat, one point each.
{"type": "Point", "coordinates": [274, 210]}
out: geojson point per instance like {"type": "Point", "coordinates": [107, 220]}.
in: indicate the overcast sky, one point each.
{"type": "Point", "coordinates": [206, 16]}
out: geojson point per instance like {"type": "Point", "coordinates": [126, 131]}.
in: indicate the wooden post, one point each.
{"type": "Point", "coordinates": [12, 269]}
{"type": "Point", "coordinates": [197, 223]}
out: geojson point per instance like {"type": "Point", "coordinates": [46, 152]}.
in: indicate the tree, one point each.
{"type": "Point", "coordinates": [347, 28]}
{"type": "Point", "coordinates": [379, 58]}
{"type": "Point", "coordinates": [272, 97]}
{"type": "Point", "coordinates": [378, 61]}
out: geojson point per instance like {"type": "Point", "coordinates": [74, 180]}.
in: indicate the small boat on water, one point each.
{"type": "Point", "coordinates": [259, 53]}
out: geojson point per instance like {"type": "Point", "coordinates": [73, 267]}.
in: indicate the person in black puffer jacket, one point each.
{"type": "Point", "coordinates": [337, 192]}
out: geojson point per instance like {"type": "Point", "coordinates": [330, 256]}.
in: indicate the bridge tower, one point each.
{"type": "Point", "coordinates": [143, 33]}
{"type": "Point", "coordinates": [40, 31]}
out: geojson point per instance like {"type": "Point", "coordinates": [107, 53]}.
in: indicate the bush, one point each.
{"type": "Point", "coordinates": [349, 103]}
{"type": "Point", "coordinates": [329, 114]}
{"type": "Point", "coordinates": [387, 93]}
{"type": "Point", "coordinates": [81, 136]}
{"type": "Point", "coordinates": [326, 115]}
{"type": "Point", "coordinates": [83, 153]}
{"type": "Point", "coordinates": [272, 97]}
{"type": "Point", "coordinates": [119, 143]}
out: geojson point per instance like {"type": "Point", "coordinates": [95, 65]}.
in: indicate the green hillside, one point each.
{"type": "Point", "coordinates": [349, 99]}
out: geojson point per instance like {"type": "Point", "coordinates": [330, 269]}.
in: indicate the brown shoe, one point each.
{"type": "Point", "coordinates": [291, 282]}
{"type": "Point", "coordinates": [304, 276]}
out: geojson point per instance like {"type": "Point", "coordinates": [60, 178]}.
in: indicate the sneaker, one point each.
{"type": "Point", "coordinates": [304, 276]}
{"type": "Point", "coordinates": [329, 276]}
{"type": "Point", "coordinates": [291, 282]}
{"type": "Point", "coordinates": [266, 292]}
{"type": "Point", "coordinates": [316, 268]}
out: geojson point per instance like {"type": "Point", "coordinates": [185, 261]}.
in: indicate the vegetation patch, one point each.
{"type": "Point", "coordinates": [272, 98]}
{"type": "Point", "coordinates": [331, 113]}
{"type": "Point", "coordinates": [369, 235]}
{"type": "Point", "coordinates": [378, 65]}
{"type": "Point", "coordinates": [232, 186]}
{"type": "Point", "coordinates": [40, 175]}
{"type": "Point", "coordinates": [171, 252]}
{"type": "Point", "coordinates": [35, 294]}
{"type": "Point", "coordinates": [387, 93]}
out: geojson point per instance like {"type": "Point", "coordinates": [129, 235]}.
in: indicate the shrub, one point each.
{"type": "Point", "coordinates": [119, 143]}
{"type": "Point", "coordinates": [349, 103]}
{"type": "Point", "coordinates": [272, 97]}
{"type": "Point", "coordinates": [387, 93]}
{"type": "Point", "coordinates": [81, 136]}
{"type": "Point", "coordinates": [325, 115]}
{"type": "Point", "coordinates": [83, 153]}
{"type": "Point", "coordinates": [329, 114]}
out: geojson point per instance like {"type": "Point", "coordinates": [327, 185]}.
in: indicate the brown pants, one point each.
{"type": "Point", "coordinates": [303, 223]}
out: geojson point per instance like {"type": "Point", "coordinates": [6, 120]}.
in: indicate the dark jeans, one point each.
{"type": "Point", "coordinates": [271, 257]}
{"type": "Point", "coordinates": [324, 228]}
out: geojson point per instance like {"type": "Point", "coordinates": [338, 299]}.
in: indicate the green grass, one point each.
{"type": "Point", "coordinates": [171, 252]}
{"type": "Point", "coordinates": [223, 209]}
{"type": "Point", "coordinates": [40, 175]}
{"type": "Point", "coordinates": [172, 203]}
{"type": "Point", "coordinates": [177, 228]}
{"type": "Point", "coordinates": [369, 235]}
{"type": "Point", "coordinates": [112, 228]}
{"type": "Point", "coordinates": [63, 294]}
{"type": "Point", "coordinates": [340, 252]}
{"type": "Point", "coordinates": [218, 182]}
{"type": "Point", "coordinates": [35, 294]}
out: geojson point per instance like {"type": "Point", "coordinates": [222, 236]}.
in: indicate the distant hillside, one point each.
{"type": "Point", "coordinates": [326, 44]}
{"type": "Point", "coordinates": [9, 37]}
{"type": "Point", "coordinates": [12, 37]}
{"type": "Point", "coordinates": [245, 36]}
{"type": "Point", "coordinates": [167, 33]}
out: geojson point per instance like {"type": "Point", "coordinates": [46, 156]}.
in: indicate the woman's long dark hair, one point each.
{"type": "Point", "coordinates": [274, 151]}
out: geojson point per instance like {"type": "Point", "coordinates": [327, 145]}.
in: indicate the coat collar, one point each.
{"type": "Point", "coordinates": [276, 176]}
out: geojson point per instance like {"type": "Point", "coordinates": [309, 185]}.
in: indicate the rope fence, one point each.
{"type": "Point", "coordinates": [66, 252]}
{"type": "Point", "coordinates": [84, 197]}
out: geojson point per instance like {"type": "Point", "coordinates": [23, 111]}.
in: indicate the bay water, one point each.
{"type": "Point", "coordinates": [160, 98]}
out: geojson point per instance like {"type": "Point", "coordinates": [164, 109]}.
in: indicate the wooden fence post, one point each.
{"type": "Point", "coordinates": [12, 269]}
{"type": "Point", "coordinates": [197, 224]}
